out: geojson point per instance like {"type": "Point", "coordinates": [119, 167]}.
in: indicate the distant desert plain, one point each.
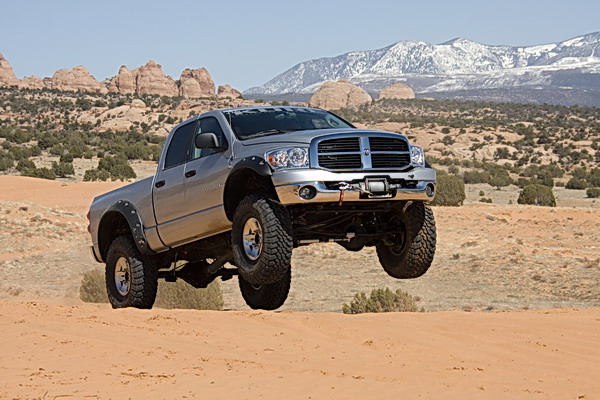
{"type": "Point", "coordinates": [512, 311]}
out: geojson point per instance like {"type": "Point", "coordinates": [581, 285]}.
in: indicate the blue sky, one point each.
{"type": "Point", "coordinates": [246, 43]}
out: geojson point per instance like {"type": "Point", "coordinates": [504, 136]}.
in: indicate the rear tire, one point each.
{"type": "Point", "coordinates": [410, 255]}
{"type": "Point", "coordinates": [131, 278]}
{"type": "Point", "coordinates": [262, 240]}
{"type": "Point", "coordinates": [266, 297]}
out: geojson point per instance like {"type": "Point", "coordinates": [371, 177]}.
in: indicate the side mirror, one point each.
{"type": "Point", "coordinates": [208, 141]}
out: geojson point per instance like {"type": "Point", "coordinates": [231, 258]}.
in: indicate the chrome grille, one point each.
{"type": "Point", "coordinates": [339, 145]}
{"type": "Point", "coordinates": [362, 151]}
{"type": "Point", "coordinates": [340, 161]}
{"type": "Point", "coordinates": [387, 144]}
{"type": "Point", "coordinates": [382, 160]}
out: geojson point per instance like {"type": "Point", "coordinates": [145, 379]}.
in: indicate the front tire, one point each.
{"type": "Point", "coordinates": [266, 297]}
{"type": "Point", "coordinates": [262, 240]}
{"type": "Point", "coordinates": [131, 278]}
{"type": "Point", "coordinates": [410, 254]}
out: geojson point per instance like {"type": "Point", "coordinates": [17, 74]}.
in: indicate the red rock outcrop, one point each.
{"type": "Point", "coordinates": [195, 83]}
{"type": "Point", "coordinates": [340, 94]}
{"type": "Point", "coordinates": [397, 91]}
{"type": "Point", "coordinates": [150, 79]}
{"type": "Point", "coordinates": [123, 82]}
{"type": "Point", "coordinates": [7, 75]}
{"type": "Point", "coordinates": [32, 82]}
{"type": "Point", "coordinates": [78, 78]}
{"type": "Point", "coordinates": [225, 91]}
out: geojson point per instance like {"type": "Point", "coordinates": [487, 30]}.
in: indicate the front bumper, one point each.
{"type": "Point", "coordinates": [417, 184]}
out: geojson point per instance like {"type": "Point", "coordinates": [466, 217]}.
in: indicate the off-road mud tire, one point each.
{"type": "Point", "coordinates": [143, 275]}
{"type": "Point", "coordinates": [266, 297]}
{"type": "Point", "coordinates": [412, 258]}
{"type": "Point", "coordinates": [274, 260]}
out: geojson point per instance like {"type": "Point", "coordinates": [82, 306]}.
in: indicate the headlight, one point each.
{"type": "Point", "coordinates": [417, 156]}
{"type": "Point", "coordinates": [289, 157]}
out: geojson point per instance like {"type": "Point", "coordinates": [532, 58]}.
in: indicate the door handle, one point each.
{"type": "Point", "coordinates": [160, 184]}
{"type": "Point", "coordinates": [191, 173]}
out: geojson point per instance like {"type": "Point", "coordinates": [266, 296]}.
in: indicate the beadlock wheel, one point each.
{"type": "Point", "coordinates": [122, 276]}
{"type": "Point", "coordinates": [252, 239]}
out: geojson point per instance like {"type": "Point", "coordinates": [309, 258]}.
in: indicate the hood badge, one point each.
{"type": "Point", "coordinates": [367, 152]}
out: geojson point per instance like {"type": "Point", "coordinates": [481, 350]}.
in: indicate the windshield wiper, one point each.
{"type": "Point", "coordinates": [268, 132]}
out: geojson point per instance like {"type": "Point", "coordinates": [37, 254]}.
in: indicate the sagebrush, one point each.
{"type": "Point", "coordinates": [170, 294]}
{"type": "Point", "coordinates": [382, 300]}
{"type": "Point", "coordinates": [538, 195]}
{"type": "Point", "coordinates": [450, 191]}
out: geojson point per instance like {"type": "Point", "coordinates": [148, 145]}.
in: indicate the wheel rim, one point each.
{"type": "Point", "coordinates": [122, 276]}
{"type": "Point", "coordinates": [252, 239]}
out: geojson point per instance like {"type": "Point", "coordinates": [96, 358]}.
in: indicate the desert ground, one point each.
{"type": "Point", "coordinates": [512, 311]}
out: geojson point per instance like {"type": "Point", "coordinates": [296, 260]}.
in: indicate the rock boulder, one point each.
{"type": "Point", "coordinates": [76, 79]}
{"type": "Point", "coordinates": [195, 83]}
{"type": "Point", "coordinates": [397, 91]}
{"type": "Point", "coordinates": [340, 94]}
{"type": "Point", "coordinates": [7, 75]}
{"type": "Point", "coordinates": [150, 79]}
{"type": "Point", "coordinates": [225, 91]}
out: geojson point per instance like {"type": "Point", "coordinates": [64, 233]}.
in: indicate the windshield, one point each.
{"type": "Point", "coordinates": [255, 122]}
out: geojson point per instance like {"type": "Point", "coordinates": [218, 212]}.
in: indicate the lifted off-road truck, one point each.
{"type": "Point", "coordinates": [245, 186]}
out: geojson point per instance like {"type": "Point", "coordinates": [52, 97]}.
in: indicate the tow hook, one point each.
{"type": "Point", "coordinates": [343, 186]}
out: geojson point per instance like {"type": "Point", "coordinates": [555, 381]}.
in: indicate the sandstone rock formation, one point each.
{"type": "Point", "coordinates": [7, 75]}
{"type": "Point", "coordinates": [195, 83]}
{"type": "Point", "coordinates": [137, 103]}
{"type": "Point", "coordinates": [78, 78]}
{"type": "Point", "coordinates": [123, 83]}
{"type": "Point", "coordinates": [397, 91]}
{"type": "Point", "coordinates": [32, 82]}
{"type": "Point", "coordinates": [227, 91]}
{"type": "Point", "coordinates": [340, 94]}
{"type": "Point", "coordinates": [150, 79]}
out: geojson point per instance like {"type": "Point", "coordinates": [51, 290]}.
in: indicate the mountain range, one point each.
{"type": "Point", "coordinates": [567, 72]}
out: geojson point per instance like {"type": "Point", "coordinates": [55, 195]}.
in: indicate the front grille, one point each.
{"type": "Point", "coordinates": [387, 144]}
{"type": "Point", "coordinates": [363, 152]}
{"type": "Point", "coordinates": [382, 160]}
{"type": "Point", "coordinates": [340, 161]}
{"type": "Point", "coordinates": [340, 145]}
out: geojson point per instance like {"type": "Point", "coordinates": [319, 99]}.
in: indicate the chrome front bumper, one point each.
{"type": "Point", "coordinates": [288, 185]}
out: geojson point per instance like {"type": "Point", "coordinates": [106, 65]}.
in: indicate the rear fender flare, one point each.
{"type": "Point", "coordinates": [136, 227]}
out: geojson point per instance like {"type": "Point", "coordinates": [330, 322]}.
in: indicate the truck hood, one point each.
{"type": "Point", "coordinates": [299, 137]}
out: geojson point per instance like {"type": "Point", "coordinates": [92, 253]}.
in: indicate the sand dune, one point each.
{"type": "Point", "coordinates": [489, 257]}
{"type": "Point", "coordinates": [55, 351]}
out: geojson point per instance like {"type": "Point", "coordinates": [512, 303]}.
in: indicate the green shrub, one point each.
{"type": "Point", "coordinates": [477, 177]}
{"type": "Point", "coordinates": [182, 295]}
{"type": "Point", "coordinates": [593, 193]}
{"type": "Point", "coordinates": [170, 294]}
{"type": "Point", "coordinates": [25, 164]}
{"type": "Point", "coordinates": [382, 300]}
{"type": "Point", "coordinates": [576, 183]}
{"type": "Point", "coordinates": [450, 191]}
{"type": "Point", "coordinates": [63, 169]}
{"type": "Point", "coordinates": [559, 184]}
{"type": "Point", "coordinates": [539, 195]}
{"type": "Point", "coordinates": [481, 193]}
{"type": "Point", "coordinates": [485, 200]}
{"type": "Point", "coordinates": [42, 173]}
{"type": "Point", "coordinates": [93, 287]}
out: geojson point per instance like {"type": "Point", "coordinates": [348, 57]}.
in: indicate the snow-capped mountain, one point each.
{"type": "Point", "coordinates": [456, 65]}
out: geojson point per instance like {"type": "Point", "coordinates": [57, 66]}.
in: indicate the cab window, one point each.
{"type": "Point", "coordinates": [206, 125]}
{"type": "Point", "coordinates": [179, 147]}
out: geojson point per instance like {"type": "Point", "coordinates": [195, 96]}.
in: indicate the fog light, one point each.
{"type": "Point", "coordinates": [307, 192]}
{"type": "Point", "coordinates": [430, 190]}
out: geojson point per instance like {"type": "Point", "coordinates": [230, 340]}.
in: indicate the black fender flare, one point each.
{"type": "Point", "coordinates": [254, 164]}
{"type": "Point", "coordinates": [131, 215]}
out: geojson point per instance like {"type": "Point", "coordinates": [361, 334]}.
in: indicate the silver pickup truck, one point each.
{"type": "Point", "coordinates": [244, 186]}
